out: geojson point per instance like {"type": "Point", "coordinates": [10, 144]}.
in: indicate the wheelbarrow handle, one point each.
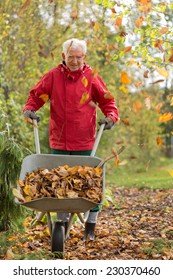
{"type": "Point", "coordinates": [37, 142]}
{"type": "Point", "coordinates": [36, 137]}
{"type": "Point", "coordinates": [99, 134]}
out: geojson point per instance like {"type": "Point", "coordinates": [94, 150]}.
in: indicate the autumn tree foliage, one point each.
{"type": "Point", "coordinates": [129, 45]}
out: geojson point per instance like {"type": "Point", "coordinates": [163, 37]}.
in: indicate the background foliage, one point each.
{"type": "Point", "coordinates": [129, 45]}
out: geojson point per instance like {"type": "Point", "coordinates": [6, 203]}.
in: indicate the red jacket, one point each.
{"type": "Point", "coordinates": [72, 96]}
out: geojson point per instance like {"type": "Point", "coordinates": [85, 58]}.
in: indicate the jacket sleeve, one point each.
{"type": "Point", "coordinates": [40, 93]}
{"type": "Point", "coordinates": [103, 97]}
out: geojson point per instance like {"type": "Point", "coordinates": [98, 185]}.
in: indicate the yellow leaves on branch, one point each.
{"type": "Point", "coordinates": [124, 78]}
{"type": "Point", "coordinates": [166, 117]}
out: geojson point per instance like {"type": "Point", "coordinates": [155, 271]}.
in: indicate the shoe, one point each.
{"type": "Point", "coordinates": [89, 231]}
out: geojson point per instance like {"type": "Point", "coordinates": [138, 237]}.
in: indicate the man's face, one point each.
{"type": "Point", "coordinates": [74, 58]}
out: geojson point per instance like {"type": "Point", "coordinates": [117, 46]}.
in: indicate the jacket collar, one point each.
{"type": "Point", "coordinates": [72, 75]}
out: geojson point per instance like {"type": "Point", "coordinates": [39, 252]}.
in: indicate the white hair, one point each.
{"type": "Point", "coordinates": [73, 44]}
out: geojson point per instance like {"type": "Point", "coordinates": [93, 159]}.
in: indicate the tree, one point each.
{"type": "Point", "coordinates": [11, 155]}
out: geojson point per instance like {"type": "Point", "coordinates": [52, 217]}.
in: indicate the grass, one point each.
{"type": "Point", "coordinates": [156, 177]}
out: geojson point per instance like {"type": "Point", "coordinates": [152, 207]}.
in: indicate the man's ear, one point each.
{"type": "Point", "coordinates": [63, 56]}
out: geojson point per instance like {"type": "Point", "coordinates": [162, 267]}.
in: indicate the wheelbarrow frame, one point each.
{"type": "Point", "coordinates": [46, 205]}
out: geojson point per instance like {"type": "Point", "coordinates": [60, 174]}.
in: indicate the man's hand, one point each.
{"type": "Point", "coordinates": [108, 123]}
{"type": "Point", "coordinates": [29, 114]}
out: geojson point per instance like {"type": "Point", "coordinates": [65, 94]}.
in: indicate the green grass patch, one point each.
{"type": "Point", "coordinates": [157, 175]}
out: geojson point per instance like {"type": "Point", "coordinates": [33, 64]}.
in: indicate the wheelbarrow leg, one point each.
{"type": "Point", "coordinates": [40, 216]}
{"type": "Point", "coordinates": [69, 225]}
{"type": "Point", "coordinates": [49, 222]}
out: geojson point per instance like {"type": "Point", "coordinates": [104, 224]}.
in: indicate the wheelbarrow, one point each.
{"type": "Point", "coordinates": [46, 205]}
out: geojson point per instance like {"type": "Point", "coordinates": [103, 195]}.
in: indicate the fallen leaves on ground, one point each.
{"type": "Point", "coordinates": [139, 226]}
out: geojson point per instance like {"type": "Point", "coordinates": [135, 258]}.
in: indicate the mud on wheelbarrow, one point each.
{"type": "Point", "coordinates": [46, 205]}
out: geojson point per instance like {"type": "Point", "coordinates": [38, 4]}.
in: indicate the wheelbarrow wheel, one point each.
{"type": "Point", "coordinates": [58, 238]}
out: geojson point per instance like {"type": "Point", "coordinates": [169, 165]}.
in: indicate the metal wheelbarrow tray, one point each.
{"type": "Point", "coordinates": [51, 204]}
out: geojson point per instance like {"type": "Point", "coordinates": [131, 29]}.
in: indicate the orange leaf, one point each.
{"type": "Point", "coordinates": [159, 141]}
{"type": "Point", "coordinates": [127, 49]}
{"type": "Point", "coordinates": [166, 117]}
{"type": "Point", "coordinates": [84, 98]}
{"type": "Point", "coordinates": [158, 107]}
{"type": "Point", "coordinates": [137, 106]}
{"type": "Point", "coordinates": [124, 78]}
{"type": "Point", "coordinates": [157, 42]}
{"type": "Point", "coordinates": [24, 6]}
{"type": "Point", "coordinates": [94, 72]}
{"type": "Point", "coordinates": [163, 30]}
{"type": "Point", "coordinates": [138, 22]}
{"type": "Point", "coordinates": [116, 156]}
{"type": "Point", "coordinates": [108, 95]}
{"type": "Point", "coordinates": [84, 81]}
{"type": "Point", "coordinates": [126, 122]}
{"type": "Point", "coordinates": [44, 97]}
{"type": "Point", "coordinates": [118, 21]}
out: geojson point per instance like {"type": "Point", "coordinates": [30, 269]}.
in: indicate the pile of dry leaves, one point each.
{"type": "Point", "coordinates": [61, 182]}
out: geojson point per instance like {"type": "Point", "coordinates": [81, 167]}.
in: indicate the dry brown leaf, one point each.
{"type": "Point", "coordinates": [9, 255]}
{"type": "Point", "coordinates": [127, 49]}
{"type": "Point", "coordinates": [125, 121]}
{"type": "Point", "coordinates": [158, 81]}
{"type": "Point", "coordinates": [24, 6]}
{"type": "Point", "coordinates": [159, 141]}
{"type": "Point", "coordinates": [146, 74]}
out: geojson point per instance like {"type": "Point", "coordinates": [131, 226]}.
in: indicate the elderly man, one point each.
{"type": "Point", "coordinates": [73, 91]}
